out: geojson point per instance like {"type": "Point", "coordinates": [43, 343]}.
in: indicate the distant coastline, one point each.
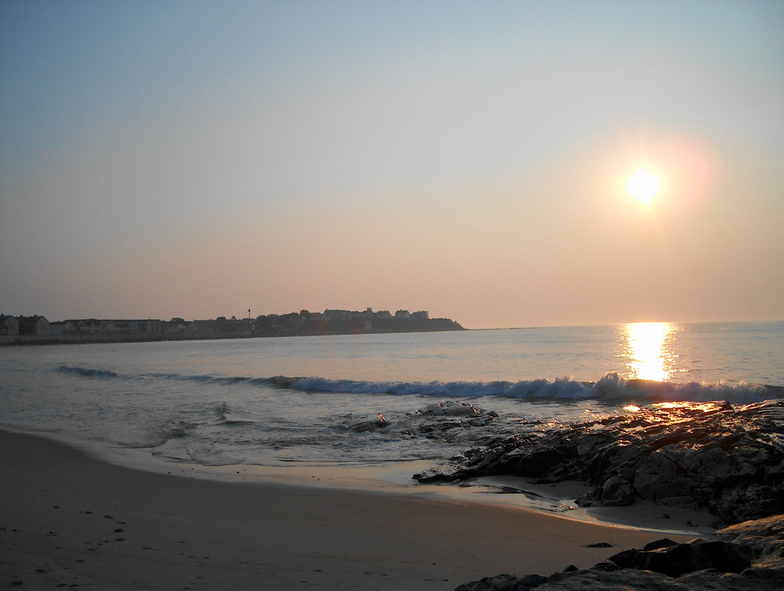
{"type": "Point", "coordinates": [303, 323]}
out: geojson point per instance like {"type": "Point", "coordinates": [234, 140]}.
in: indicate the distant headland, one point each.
{"type": "Point", "coordinates": [20, 330]}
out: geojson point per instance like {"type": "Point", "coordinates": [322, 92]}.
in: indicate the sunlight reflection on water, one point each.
{"type": "Point", "coordinates": [648, 346]}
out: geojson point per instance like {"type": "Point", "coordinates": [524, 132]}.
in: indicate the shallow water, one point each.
{"type": "Point", "coordinates": [280, 401]}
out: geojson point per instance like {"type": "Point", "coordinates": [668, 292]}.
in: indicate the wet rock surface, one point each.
{"type": "Point", "coordinates": [745, 556]}
{"type": "Point", "coordinates": [676, 560]}
{"type": "Point", "coordinates": [715, 456]}
{"type": "Point", "coordinates": [447, 422]}
{"type": "Point", "coordinates": [365, 425]}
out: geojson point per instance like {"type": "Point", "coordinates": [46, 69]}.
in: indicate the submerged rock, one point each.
{"type": "Point", "coordinates": [729, 460]}
{"type": "Point", "coordinates": [365, 425]}
{"type": "Point", "coordinates": [450, 409]}
{"type": "Point", "coordinates": [446, 420]}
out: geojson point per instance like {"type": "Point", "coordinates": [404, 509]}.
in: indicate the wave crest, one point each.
{"type": "Point", "coordinates": [612, 388]}
{"type": "Point", "coordinates": [85, 372]}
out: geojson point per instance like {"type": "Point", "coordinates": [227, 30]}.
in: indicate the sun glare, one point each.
{"type": "Point", "coordinates": [649, 350]}
{"type": "Point", "coordinates": [643, 185]}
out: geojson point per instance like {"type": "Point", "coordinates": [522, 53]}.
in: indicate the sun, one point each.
{"type": "Point", "coordinates": [643, 185]}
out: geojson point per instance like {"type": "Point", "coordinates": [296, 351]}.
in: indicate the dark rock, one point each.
{"type": "Point", "coordinates": [728, 460]}
{"type": "Point", "coordinates": [505, 583]}
{"type": "Point", "coordinates": [705, 580]}
{"type": "Point", "coordinates": [722, 563]}
{"type": "Point", "coordinates": [617, 491]}
{"type": "Point", "coordinates": [448, 420]}
{"type": "Point", "coordinates": [450, 409]}
{"type": "Point", "coordinates": [663, 543]}
{"type": "Point", "coordinates": [625, 559]}
{"type": "Point", "coordinates": [599, 545]}
{"type": "Point", "coordinates": [679, 559]}
{"type": "Point", "coordinates": [497, 583]}
{"type": "Point", "coordinates": [434, 475]}
{"type": "Point", "coordinates": [605, 566]}
{"type": "Point", "coordinates": [764, 536]}
{"type": "Point", "coordinates": [532, 581]}
{"type": "Point", "coordinates": [365, 425]}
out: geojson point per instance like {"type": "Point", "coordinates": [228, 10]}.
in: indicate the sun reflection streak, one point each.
{"type": "Point", "coordinates": [648, 347]}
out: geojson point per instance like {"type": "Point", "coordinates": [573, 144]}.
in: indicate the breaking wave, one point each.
{"type": "Point", "coordinates": [84, 372]}
{"type": "Point", "coordinates": [611, 388]}
{"type": "Point", "coordinates": [226, 415]}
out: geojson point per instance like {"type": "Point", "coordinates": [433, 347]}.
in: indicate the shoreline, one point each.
{"type": "Point", "coordinates": [397, 478]}
{"type": "Point", "coordinates": [432, 325]}
{"type": "Point", "coordinates": [69, 518]}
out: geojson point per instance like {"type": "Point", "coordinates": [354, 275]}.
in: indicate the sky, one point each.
{"type": "Point", "coordinates": [200, 159]}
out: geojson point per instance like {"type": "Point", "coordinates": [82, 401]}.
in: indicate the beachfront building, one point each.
{"type": "Point", "coordinates": [34, 326]}
{"type": "Point", "coordinates": [65, 327]}
{"type": "Point", "coordinates": [88, 326]}
{"type": "Point", "coordinates": [9, 325]}
{"type": "Point", "coordinates": [337, 315]}
{"type": "Point", "coordinates": [92, 326]}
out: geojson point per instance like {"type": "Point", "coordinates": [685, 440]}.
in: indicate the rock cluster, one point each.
{"type": "Point", "coordinates": [675, 560]}
{"type": "Point", "coordinates": [729, 460]}
{"type": "Point", "coordinates": [443, 420]}
{"type": "Point", "coordinates": [745, 556]}
{"type": "Point", "coordinates": [449, 409]}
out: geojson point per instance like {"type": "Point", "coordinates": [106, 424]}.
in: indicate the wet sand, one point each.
{"type": "Point", "coordinates": [69, 520]}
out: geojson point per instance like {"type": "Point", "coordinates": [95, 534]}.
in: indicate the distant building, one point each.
{"type": "Point", "coordinates": [34, 326]}
{"type": "Point", "coordinates": [304, 322]}
{"type": "Point", "coordinates": [88, 326]}
{"type": "Point", "coordinates": [146, 325]}
{"type": "Point", "coordinates": [63, 327]}
{"type": "Point", "coordinates": [9, 325]}
{"type": "Point", "coordinates": [202, 326]}
{"type": "Point", "coordinates": [112, 326]}
{"type": "Point", "coordinates": [336, 315]}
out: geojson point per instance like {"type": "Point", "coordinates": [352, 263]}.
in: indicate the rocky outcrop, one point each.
{"type": "Point", "coordinates": [764, 536]}
{"type": "Point", "coordinates": [675, 560]}
{"type": "Point", "coordinates": [729, 460]}
{"type": "Point", "coordinates": [451, 409]}
{"type": "Point", "coordinates": [443, 421]}
{"type": "Point", "coordinates": [746, 556]}
{"type": "Point", "coordinates": [504, 583]}
{"type": "Point", "coordinates": [446, 420]}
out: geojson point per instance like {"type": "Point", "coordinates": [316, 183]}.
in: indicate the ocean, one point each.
{"type": "Point", "coordinates": [361, 400]}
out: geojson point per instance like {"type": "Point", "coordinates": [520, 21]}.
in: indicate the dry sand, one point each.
{"type": "Point", "coordinates": [70, 521]}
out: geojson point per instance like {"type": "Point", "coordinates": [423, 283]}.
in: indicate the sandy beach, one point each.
{"type": "Point", "coordinates": [68, 520]}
